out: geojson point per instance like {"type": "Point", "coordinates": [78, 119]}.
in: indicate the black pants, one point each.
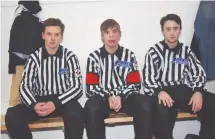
{"type": "Point", "coordinates": [166, 117]}
{"type": "Point", "coordinates": [139, 106]}
{"type": "Point", "coordinates": [18, 117]}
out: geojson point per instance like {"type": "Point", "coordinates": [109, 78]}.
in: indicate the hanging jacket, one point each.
{"type": "Point", "coordinates": [25, 34]}
{"type": "Point", "coordinates": [204, 37]}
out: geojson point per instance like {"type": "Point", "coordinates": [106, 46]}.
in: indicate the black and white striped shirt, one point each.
{"type": "Point", "coordinates": [112, 74]}
{"type": "Point", "coordinates": [58, 76]}
{"type": "Point", "coordinates": [166, 67]}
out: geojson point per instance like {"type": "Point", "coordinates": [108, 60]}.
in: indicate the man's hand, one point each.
{"type": "Point", "coordinates": [115, 103]}
{"type": "Point", "coordinates": [111, 101]}
{"type": "Point", "coordinates": [38, 108]}
{"type": "Point", "coordinates": [165, 98]}
{"type": "Point", "coordinates": [196, 101]}
{"type": "Point", "coordinates": [118, 103]}
{"type": "Point", "coordinates": [48, 107]}
{"type": "Point", "coordinates": [44, 109]}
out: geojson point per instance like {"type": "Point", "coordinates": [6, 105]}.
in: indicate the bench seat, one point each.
{"type": "Point", "coordinates": [115, 118]}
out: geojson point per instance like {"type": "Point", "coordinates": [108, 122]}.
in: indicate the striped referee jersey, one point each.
{"type": "Point", "coordinates": [165, 67]}
{"type": "Point", "coordinates": [112, 74]}
{"type": "Point", "coordinates": [55, 76]}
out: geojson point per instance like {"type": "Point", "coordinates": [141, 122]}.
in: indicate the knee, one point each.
{"type": "Point", "coordinates": [73, 110]}
{"type": "Point", "coordinates": [147, 105]}
{"type": "Point", "coordinates": [75, 116]}
{"type": "Point", "coordinates": [11, 116]}
{"type": "Point", "coordinates": [147, 109]}
{"type": "Point", "coordinates": [93, 105]}
{"type": "Point", "coordinates": [163, 111]}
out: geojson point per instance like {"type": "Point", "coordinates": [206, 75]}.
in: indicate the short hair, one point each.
{"type": "Point", "coordinates": [173, 17]}
{"type": "Point", "coordinates": [53, 22]}
{"type": "Point", "coordinates": [110, 23]}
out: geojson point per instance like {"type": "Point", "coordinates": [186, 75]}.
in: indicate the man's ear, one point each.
{"type": "Point", "coordinates": [102, 37]}
{"type": "Point", "coordinates": [43, 36]}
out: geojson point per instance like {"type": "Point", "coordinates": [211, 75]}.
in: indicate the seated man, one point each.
{"type": "Point", "coordinates": [51, 86]}
{"type": "Point", "coordinates": [113, 84]}
{"type": "Point", "coordinates": [175, 77]}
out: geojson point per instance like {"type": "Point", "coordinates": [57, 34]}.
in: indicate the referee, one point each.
{"type": "Point", "coordinates": [113, 84]}
{"type": "Point", "coordinates": [51, 85]}
{"type": "Point", "coordinates": [173, 75]}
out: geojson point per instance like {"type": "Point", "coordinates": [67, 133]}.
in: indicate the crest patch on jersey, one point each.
{"type": "Point", "coordinates": [63, 71]}
{"type": "Point", "coordinates": [180, 61]}
{"type": "Point", "coordinates": [125, 64]}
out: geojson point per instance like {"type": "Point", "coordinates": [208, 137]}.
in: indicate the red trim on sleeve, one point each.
{"type": "Point", "coordinates": [92, 79]}
{"type": "Point", "coordinates": [133, 77]}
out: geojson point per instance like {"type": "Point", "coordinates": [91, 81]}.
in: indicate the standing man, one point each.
{"type": "Point", "coordinates": [174, 76]}
{"type": "Point", "coordinates": [50, 86]}
{"type": "Point", "coordinates": [113, 84]}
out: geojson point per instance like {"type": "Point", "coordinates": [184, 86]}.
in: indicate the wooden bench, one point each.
{"type": "Point", "coordinates": [57, 123]}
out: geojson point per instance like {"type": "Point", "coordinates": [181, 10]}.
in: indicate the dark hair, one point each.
{"type": "Point", "coordinates": [173, 17]}
{"type": "Point", "coordinates": [109, 23]}
{"type": "Point", "coordinates": [53, 22]}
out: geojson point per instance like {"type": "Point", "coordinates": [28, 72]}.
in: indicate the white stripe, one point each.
{"type": "Point", "coordinates": [176, 70]}
{"type": "Point", "coordinates": [35, 60]}
{"type": "Point", "coordinates": [45, 78]}
{"type": "Point", "coordinates": [96, 56]}
{"type": "Point", "coordinates": [63, 58]}
{"type": "Point", "coordinates": [72, 96]}
{"type": "Point", "coordinates": [25, 97]}
{"type": "Point", "coordinates": [103, 75]}
{"type": "Point", "coordinates": [90, 70]}
{"type": "Point", "coordinates": [128, 60]}
{"type": "Point", "coordinates": [109, 71]}
{"type": "Point", "coordinates": [114, 80]}
{"type": "Point", "coordinates": [166, 65]}
{"type": "Point", "coordinates": [147, 69]}
{"type": "Point", "coordinates": [123, 57]}
{"type": "Point", "coordinates": [58, 76]}
{"type": "Point", "coordinates": [170, 67]}
{"type": "Point", "coordinates": [25, 85]}
{"type": "Point", "coordinates": [70, 55]}
{"type": "Point", "coordinates": [49, 76]}
{"type": "Point", "coordinates": [160, 55]}
{"type": "Point", "coordinates": [69, 92]}
{"type": "Point", "coordinates": [62, 76]}
{"type": "Point", "coordinates": [72, 90]}
{"type": "Point", "coordinates": [54, 75]}
{"type": "Point", "coordinates": [183, 56]}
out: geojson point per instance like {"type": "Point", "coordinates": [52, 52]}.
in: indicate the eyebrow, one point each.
{"type": "Point", "coordinates": [53, 33]}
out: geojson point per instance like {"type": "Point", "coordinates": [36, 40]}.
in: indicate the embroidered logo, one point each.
{"type": "Point", "coordinates": [77, 73]}
{"type": "Point", "coordinates": [180, 61]}
{"type": "Point", "coordinates": [125, 64]}
{"type": "Point", "coordinates": [63, 71]}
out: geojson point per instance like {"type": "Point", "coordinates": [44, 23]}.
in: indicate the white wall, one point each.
{"type": "Point", "coordinates": [140, 29]}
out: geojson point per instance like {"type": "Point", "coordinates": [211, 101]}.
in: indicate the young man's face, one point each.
{"type": "Point", "coordinates": [52, 36]}
{"type": "Point", "coordinates": [171, 31]}
{"type": "Point", "coordinates": [111, 37]}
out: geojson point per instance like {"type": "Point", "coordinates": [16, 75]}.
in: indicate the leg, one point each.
{"type": "Point", "coordinates": [17, 119]}
{"type": "Point", "coordinates": [164, 121]}
{"type": "Point", "coordinates": [95, 111]}
{"type": "Point", "coordinates": [207, 116]}
{"type": "Point", "coordinates": [207, 113]}
{"type": "Point", "coordinates": [141, 108]}
{"type": "Point", "coordinates": [73, 119]}
{"type": "Point", "coordinates": [165, 116]}
{"type": "Point", "coordinates": [182, 95]}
